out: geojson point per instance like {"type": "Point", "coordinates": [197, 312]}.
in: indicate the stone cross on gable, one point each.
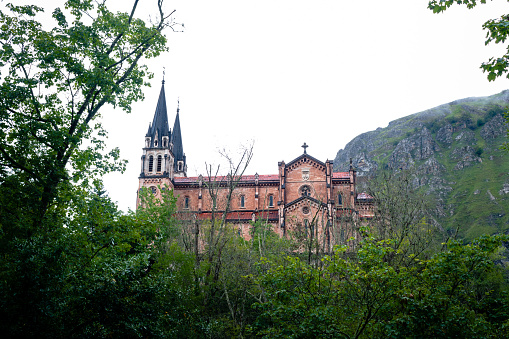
{"type": "Point", "coordinates": [305, 146]}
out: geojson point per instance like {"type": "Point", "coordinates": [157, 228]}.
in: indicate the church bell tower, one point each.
{"type": "Point", "coordinates": [163, 156]}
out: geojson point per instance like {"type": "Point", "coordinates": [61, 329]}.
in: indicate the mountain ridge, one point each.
{"type": "Point", "coordinates": [453, 151]}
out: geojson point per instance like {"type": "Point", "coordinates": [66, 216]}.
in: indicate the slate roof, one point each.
{"type": "Point", "coordinates": [176, 139]}
{"type": "Point", "coordinates": [159, 125]}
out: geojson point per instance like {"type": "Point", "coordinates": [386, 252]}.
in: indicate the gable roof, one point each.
{"type": "Point", "coordinates": [320, 203]}
{"type": "Point", "coordinates": [305, 156]}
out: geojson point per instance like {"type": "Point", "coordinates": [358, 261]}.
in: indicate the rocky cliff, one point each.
{"type": "Point", "coordinates": [453, 151]}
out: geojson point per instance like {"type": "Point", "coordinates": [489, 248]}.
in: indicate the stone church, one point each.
{"type": "Point", "coordinates": [304, 192]}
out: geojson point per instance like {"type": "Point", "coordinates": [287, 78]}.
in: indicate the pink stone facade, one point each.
{"type": "Point", "coordinates": [305, 192]}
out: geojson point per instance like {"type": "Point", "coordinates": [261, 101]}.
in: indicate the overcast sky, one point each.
{"type": "Point", "coordinates": [284, 72]}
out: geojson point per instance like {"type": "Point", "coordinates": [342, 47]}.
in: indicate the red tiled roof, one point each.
{"type": "Point", "coordinates": [340, 175]}
{"type": "Point", "coordinates": [186, 179]}
{"type": "Point", "coordinates": [251, 177]}
{"type": "Point", "coordinates": [261, 177]}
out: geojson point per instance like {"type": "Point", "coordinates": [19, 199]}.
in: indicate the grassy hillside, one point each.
{"type": "Point", "coordinates": [455, 152]}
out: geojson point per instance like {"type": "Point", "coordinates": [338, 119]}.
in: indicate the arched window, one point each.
{"type": "Point", "coordinates": [271, 200]}
{"type": "Point", "coordinates": [186, 202]}
{"type": "Point", "coordinates": [305, 191]}
{"type": "Point", "coordinates": [242, 201]}
{"type": "Point", "coordinates": [155, 143]}
{"type": "Point", "coordinates": [159, 163]}
{"type": "Point", "coordinates": [340, 199]}
{"type": "Point", "coordinates": [150, 163]}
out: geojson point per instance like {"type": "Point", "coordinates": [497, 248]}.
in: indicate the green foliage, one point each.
{"type": "Point", "coordinates": [433, 126]}
{"type": "Point", "coordinates": [453, 294]}
{"type": "Point", "coordinates": [53, 84]}
{"type": "Point", "coordinates": [94, 276]}
{"type": "Point", "coordinates": [497, 32]}
{"type": "Point", "coordinates": [473, 211]}
{"type": "Point", "coordinates": [478, 151]}
{"type": "Point", "coordinates": [72, 265]}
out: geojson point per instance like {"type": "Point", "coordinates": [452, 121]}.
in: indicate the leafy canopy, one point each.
{"type": "Point", "coordinates": [497, 32]}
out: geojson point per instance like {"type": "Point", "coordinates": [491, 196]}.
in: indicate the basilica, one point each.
{"type": "Point", "coordinates": [303, 192]}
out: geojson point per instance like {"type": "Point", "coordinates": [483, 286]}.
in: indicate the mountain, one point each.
{"type": "Point", "coordinates": [454, 152]}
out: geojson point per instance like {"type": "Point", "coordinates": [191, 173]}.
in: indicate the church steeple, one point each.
{"type": "Point", "coordinates": [157, 159]}
{"type": "Point", "coordinates": [180, 166]}
{"type": "Point", "coordinates": [159, 131]}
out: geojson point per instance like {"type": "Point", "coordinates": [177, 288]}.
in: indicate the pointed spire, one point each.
{"type": "Point", "coordinates": [159, 127]}
{"type": "Point", "coordinates": [176, 139]}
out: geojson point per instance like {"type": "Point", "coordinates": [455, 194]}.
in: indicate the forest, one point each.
{"type": "Point", "coordinates": [73, 265]}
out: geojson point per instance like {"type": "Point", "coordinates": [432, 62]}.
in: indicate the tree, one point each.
{"type": "Point", "coordinates": [70, 263]}
{"type": "Point", "coordinates": [497, 32]}
{"type": "Point", "coordinates": [54, 83]}
{"type": "Point", "coordinates": [456, 293]}
{"type": "Point", "coordinates": [402, 214]}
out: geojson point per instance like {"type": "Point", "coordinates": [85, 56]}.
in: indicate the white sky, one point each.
{"type": "Point", "coordinates": [284, 72]}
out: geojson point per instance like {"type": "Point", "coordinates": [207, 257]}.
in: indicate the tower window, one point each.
{"type": "Point", "coordinates": [159, 163]}
{"type": "Point", "coordinates": [186, 202]}
{"type": "Point", "coordinates": [340, 199]}
{"type": "Point", "coordinates": [150, 163]}
{"type": "Point", "coordinates": [271, 200]}
{"type": "Point", "coordinates": [180, 166]}
{"type": "Point", "coordinates": [242, 201]}
{"type": "Point", "coordinates": [153, 189]}
{"type": "Point", "coordinates": [155, 143]}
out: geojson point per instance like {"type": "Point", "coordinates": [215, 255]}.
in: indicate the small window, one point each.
{"type": "Point", "coordinates": [271, 201]}
{"type": "Point", "coordinates": [186, 202]}
{"type": "Point", "coordinates": [180, 166]}
{"type": "Point", "coordinates": [305, 210]}
{"type": "Point", "coordinates": [155, 143]}
{"type": "Point", "coordinates": [150, 163]}
{"type": "Point", "coordinates": [153, 189]}
{"type": "Point", "coordinates": [159, 163]}
{"type": "Point", "coordinates": [242, 201]}
{"type": "Point", "coordinates": [305, 191]}
{"type": "Point", "coordinates": [164, 142]}
{"type": "Point", "coordinates": [340, 199]}
{"type": "Point", "coordinates": [306, 226]}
